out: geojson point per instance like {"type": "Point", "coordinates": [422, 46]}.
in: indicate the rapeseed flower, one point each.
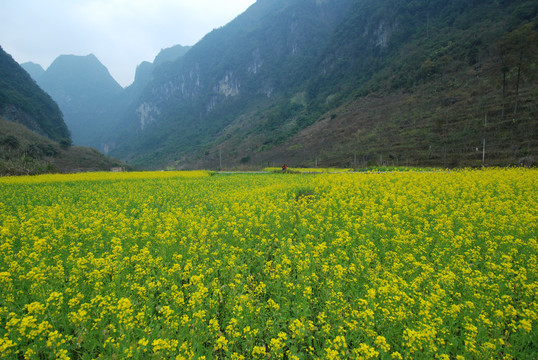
{"type": "Point", "coordinates": [187, 265]}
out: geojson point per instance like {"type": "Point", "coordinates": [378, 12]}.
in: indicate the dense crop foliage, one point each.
{"type": "Point", "coordinates": [272, 266]}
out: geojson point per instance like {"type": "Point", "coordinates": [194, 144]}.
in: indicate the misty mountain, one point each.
{"type": "Point", "coordinates": [35, 70]}
{"type": "Point", "coordinates": [86, 93]}
{"type": "Point", "coordinates": [23, 101]}
{"type": "Point", "coordinates": [91, 100]}
{"type": "Point", "coordinates": [170, 54]}
{"type": "Point", "coordinates": [34, 138]}
{"type": "Point", "coordinates": [262, 57]}
{"type": "Point", "coordinates": [284, 80]}
{"type": "Point", "coordinates": [145, 70]}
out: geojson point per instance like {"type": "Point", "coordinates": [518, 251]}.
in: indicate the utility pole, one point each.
{"type": "Point", "coordinates": [484, 140]}
{"type": "Point", "coordinates": [483, 151]}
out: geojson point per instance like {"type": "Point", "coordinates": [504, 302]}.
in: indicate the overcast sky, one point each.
{"type": "Point", "coordinates": [121, 33]}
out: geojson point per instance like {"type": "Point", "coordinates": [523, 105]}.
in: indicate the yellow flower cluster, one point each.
{"type": "Point", "coordinates": [308, 170]}
{"type": "Point", "coordinates": [183, 265]}
{"type": "Point", "coordinates": [102, 176]}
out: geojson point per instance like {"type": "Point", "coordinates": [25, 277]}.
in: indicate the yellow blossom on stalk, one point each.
{"type": "Point", "coordinates": [526, 325]}
{"type": "Point", "coordinates": [365, 351]}
{"type": "Point", "coordinates": [35, 308]}
{"type": "Point", "coordinates": [164, 345]}
{"type": "Point", "coordinates": [185, 319]}
{"type": "Point", "coordinates": [277, 344]}
{"type": "Point", "coordinates": [55, 299]}
{"type": "Point", "coordinates": [143, 342]}
{"type": "Point", "coordinates": [272, 304]}
{"type": "Point", "coordinates": [200, 314]}
{"type": "Point", "coordinates": [29, 353]}
{"type": "Point", "coordinates": [61, 354]}
{"type": "Point", "coordinates": [213, 325]}
{"type": "Point", "coordinates": [297, 328]}
{"type": "Point", "coordinates": [125, 312]}
{"type": "Point", "coordinates": [258, 352]}
{"type": "Point", "coordinates": [381, 343]}
{"type": "Point", "coordinates": [221, 343]}
{"type": "Point", "coordinates": [5, 345]}
{"type": "Point", "coordinates": [339, 343]}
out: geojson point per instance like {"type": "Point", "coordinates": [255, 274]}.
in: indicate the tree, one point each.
{"type": "Point", "coordinates": [10, 142]}
{"type": "Point", "coordinates": [65, 143]}
{"type": "Point", "coordinates": [33, 151]}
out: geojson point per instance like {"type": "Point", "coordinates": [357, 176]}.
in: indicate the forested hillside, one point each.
{"type": "Point", "coordinates": [425, 83]}
{"type": "Point", "coordinates": [22, 101]}
{"type": "Point", "coordinates": [431, 83]}
{"type": "Point", "coordinates": [24, 152]}
{"type": "Point", "coordinates": [347, 83]}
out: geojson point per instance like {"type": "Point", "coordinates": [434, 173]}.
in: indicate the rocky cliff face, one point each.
{"type": "Point", "coordinates": [264, 53]}
{"type": "Point", "coordinates": [147, 113]}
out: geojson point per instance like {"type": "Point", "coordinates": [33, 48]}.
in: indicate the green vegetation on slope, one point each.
{"type": "Point", "coordinates": [422, 83]}
{"type": "Point", "coordinates": [21, 100]}
{"type": "Point", "coordinates": [24, 152]}
{"type": "Point", "coordinates": [339, 83]}
{"type": "Point", "coordinates": [251, 63]}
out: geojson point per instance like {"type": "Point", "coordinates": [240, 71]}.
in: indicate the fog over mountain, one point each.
{"type": "Point", "coordinates": [90, 98]}
{"type": "Point", "coordinates": [86, 93]}
{"type": "Point", "coordinates": [35, 70]}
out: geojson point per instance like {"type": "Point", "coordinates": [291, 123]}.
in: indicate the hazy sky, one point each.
{"type": "Point", "coordinates": [121, 33]}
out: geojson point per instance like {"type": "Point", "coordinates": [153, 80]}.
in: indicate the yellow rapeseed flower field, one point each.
{"type": "Point", "coordinates": [185, 265]}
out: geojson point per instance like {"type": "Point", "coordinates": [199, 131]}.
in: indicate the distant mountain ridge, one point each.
{"type": "Point", "coordinates": [34, 138]}
{"type": "Point", "coordinates": [85, 91]}
{"type": "Point", "coordinates": [145, 70]}
{"type": "Point", "coordinates": [35, 70]}
{"type": "Point", "coordinates": [90, 98]}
